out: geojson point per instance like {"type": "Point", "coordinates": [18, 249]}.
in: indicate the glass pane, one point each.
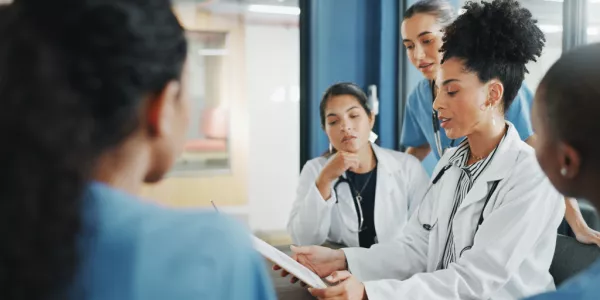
{"type": "Point", "coordinates": [244, 61]}
{"type": "Point", "coordinates": [550, 19]}
{"type": "Point", "coordinates": [207, 144]}
{"type": "Point", "coordinates": [593, 30]}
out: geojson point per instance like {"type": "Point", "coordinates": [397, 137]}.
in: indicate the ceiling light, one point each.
{"type": "Point", "coordinates": [274, 9]}
{"type": "Point", "coordinates": [549, 28]}
{"type": "Point", "coordinates": [212, 52]}
{"type": "Point", "coordinates": [591, 1]}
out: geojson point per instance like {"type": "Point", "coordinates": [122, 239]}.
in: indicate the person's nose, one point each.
{"type": "Point", "coordinates": [439, 102]}
{"type": "Point", "coordinates": [418, 53]}
{"type": "Point", "coordinates": [346, 126]}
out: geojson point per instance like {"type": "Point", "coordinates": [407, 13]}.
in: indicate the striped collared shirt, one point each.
{"type": "Point", "coordinates": [466, 180]}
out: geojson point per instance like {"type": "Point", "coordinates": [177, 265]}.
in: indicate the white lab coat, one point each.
{"type": "Point", "coordinates": [511, 252]}
{"type": "Point", "coordinates": [401, 184]}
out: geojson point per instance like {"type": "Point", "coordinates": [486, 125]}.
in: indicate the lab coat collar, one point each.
{"type": "Point", "coordinates": [505, 157]}
{"type": "Point", "coordinates": [502, 163]}
{"type": "Point", "coordinates": [384, 159]}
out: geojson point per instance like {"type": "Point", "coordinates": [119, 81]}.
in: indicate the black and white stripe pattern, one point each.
{"type": "Point", "coordinates": [467, 178]}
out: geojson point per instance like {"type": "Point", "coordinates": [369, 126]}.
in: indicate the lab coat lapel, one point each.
{"type": "Point", "coordinates": [499, 167]}
{"type": "Point", "coordinates": [383, 191]}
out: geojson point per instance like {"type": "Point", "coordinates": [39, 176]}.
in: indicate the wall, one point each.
{"type": "Point", "coordinates": [272, 68]}
{"type": "Point", "coordinates": [348, 40]}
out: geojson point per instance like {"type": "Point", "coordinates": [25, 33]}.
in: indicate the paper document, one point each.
{"type": "Point", "coordinates": [288, 264]}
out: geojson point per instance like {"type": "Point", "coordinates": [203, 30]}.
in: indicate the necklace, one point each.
{"type": "Point", "coordinates": [477, 158]}
{"type": "Point", "coordinates": [358, 196]}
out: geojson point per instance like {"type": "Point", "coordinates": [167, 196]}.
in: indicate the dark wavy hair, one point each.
{"type": "Point", "coordinates": [495, 40]}
{"type": "Point", "coordinates": [340, 89]}
{"type": "Point", "coordinates": [570, 93]}
{"type": "Point", "coordinates": [73, 77]}
{"type": "Point", "coordinates": [344, 88]}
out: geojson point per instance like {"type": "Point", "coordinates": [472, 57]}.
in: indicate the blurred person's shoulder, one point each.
{"type": "Point", "coordinates": [581, 287]}
{"type": "Point", "coordinates": [165, 253]}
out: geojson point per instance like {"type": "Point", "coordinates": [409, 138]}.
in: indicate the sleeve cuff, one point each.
{"type": "Point", "coordinates": [352, 257]}
{"type": "Point", "coordinates": [322, 203]}
{"type": "Point", "coordinates": [371, 289]}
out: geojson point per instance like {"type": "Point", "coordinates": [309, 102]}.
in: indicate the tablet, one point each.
{"type": "Point", "coordinates": [289, 264]}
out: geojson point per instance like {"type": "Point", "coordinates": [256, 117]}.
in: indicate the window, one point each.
{"type": "Point", "coordinates": [208, 136]}
{"type": "Point", "coordinates": [549, 14]}
{"type": "Point", "coordinates": [243, 144]}
{"type": "Point", "coordinates": [593, 29]}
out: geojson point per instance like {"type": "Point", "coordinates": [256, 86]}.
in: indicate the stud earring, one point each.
{"type": "Point", "coordinates": [563, 171]}
{"type": "Point", "coordinates": [330, 148]}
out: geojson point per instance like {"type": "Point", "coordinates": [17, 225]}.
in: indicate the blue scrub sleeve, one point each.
{"type": "Point", "coordinates": [201, 256]}
{"type": "Point", "coordinates": [519, 113]}
{"type": "Point", "coordinates": [412, 135]}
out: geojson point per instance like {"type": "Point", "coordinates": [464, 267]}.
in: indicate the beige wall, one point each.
{"type": "Point", "coordinates": [226, 189]}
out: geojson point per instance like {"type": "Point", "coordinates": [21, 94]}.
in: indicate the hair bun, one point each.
{"type": "Point", "coordinates": [501, 30]}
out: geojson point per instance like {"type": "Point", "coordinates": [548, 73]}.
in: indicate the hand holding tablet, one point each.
{"type": "Point", "coordinates": [289, 264]}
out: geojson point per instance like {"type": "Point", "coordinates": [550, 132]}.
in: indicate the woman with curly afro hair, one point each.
{"type": "Point", "coordinates": [487, 228]}
{"type": "Point", "coordinates": [422, 29]}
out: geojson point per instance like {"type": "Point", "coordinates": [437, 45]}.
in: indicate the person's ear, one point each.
{"type": "Point", "coordinates": [161, 109]}
{"type": "Point", "coordinates": [495, 93]}
{"type": "Point", "coordinates": [570, 161]}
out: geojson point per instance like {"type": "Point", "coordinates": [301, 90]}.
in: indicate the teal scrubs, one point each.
{"type": "Point", "coordinates": [133, 249]}
{"type": "Point", "coordinates": [585, 286]}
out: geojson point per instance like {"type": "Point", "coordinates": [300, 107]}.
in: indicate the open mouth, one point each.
{"type": "Point", "coordinates": [444, 121]}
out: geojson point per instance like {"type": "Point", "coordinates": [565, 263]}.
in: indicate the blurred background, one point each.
{"type": "Point", "coordinates": [258, 69]}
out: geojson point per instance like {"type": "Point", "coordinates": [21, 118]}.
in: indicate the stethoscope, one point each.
{"type": "Point", "coordinates": [429, 227]}
{"type": "Point", "coordinates": [357, 205]}
{"type": "Point", "coordinates": [436, 125]}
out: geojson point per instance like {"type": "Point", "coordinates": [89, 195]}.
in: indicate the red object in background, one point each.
{"type": "Point", "coordinates": [214, 126]}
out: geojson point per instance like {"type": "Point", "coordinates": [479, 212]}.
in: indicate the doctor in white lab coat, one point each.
{"type": "Point", "coordinates": [507, 258]}
{"type": "Point", "coordinates": [487, 228]}
{"type": "Point", "coordinates": [326, 208]}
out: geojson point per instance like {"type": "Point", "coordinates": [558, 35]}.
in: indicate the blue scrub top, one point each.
{"type": "Point", "coordinates": [132, 249]}
{"type": "Point", "coordinates": [417, 128]}
{"type": "Point", "coordinates": [584, 286]}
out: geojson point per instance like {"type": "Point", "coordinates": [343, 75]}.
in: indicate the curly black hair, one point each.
{"type": "Point", "coordinates": [495, 40]}
{"type": "Point", "coordinates": [73, 77]}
